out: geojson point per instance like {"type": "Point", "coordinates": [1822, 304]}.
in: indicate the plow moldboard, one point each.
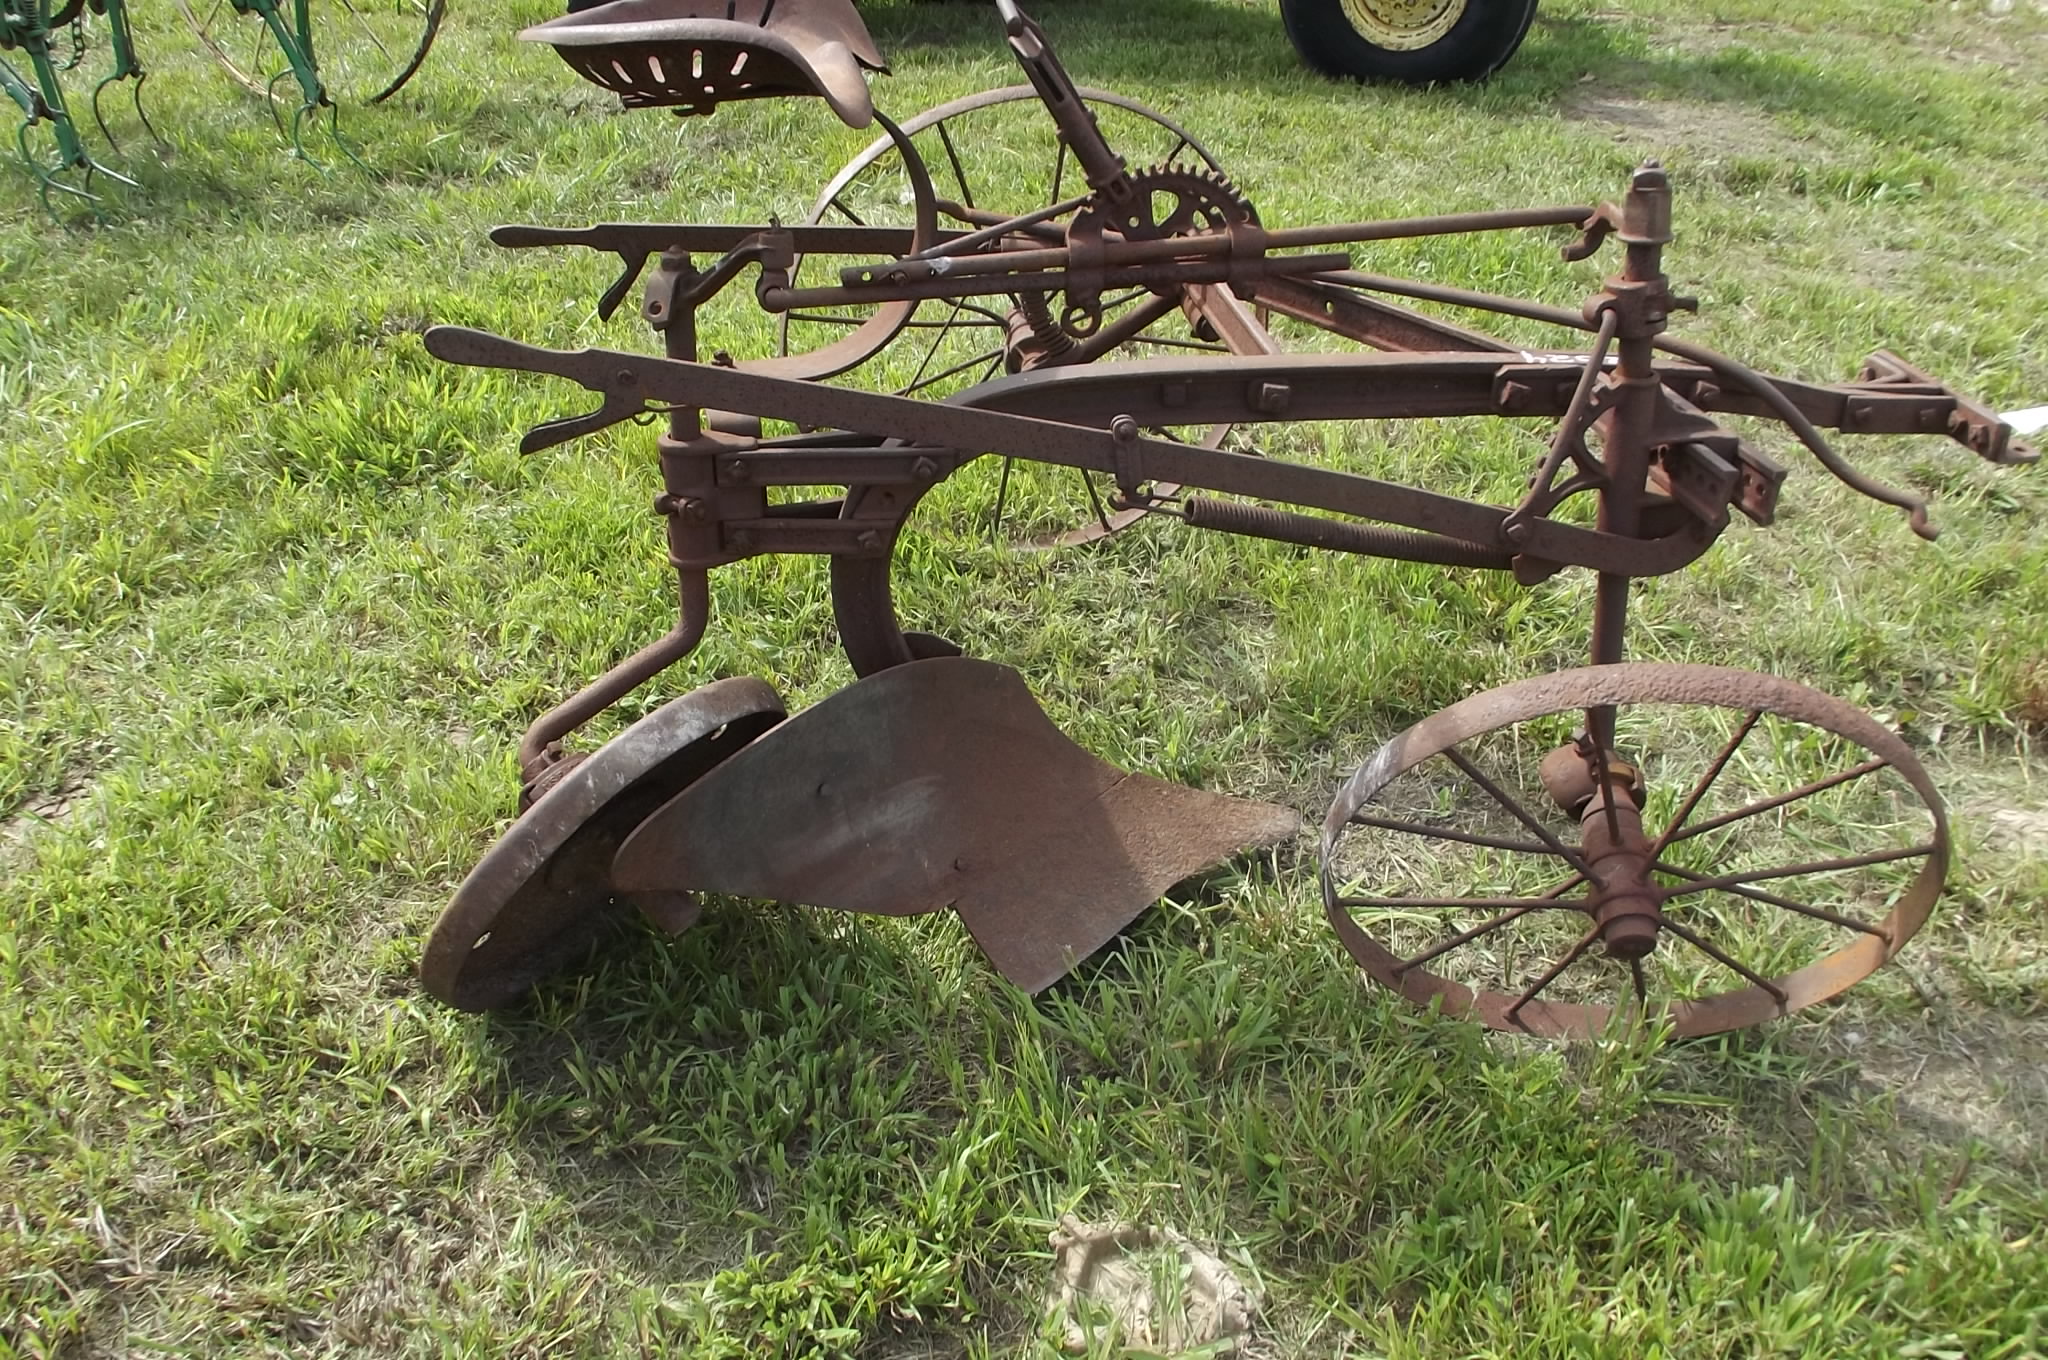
{"type": "Point", "coordinates": [936, 784]}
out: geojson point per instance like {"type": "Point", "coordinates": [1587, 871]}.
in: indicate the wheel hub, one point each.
{"type": "Point", "coordinates": [1404, 25]}
{"type": "Point", "coordinates": [1623, 901]}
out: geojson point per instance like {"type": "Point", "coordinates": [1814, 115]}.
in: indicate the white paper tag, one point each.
{"type": "Point", "coordinates": [2033, 420]}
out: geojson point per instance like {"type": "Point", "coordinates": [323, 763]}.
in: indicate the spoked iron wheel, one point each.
{"type": "Point", "coordinates": [1746, 847]}
{"type": "Point", "coordinates": [364, 50]}
{"type": "Point", "coordinates": [369, 49]}
{"type": "Point", "coordinates": [990, 157]}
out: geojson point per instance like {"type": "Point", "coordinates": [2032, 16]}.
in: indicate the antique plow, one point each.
{"type": "Point", "coordinates": [1713, 845]}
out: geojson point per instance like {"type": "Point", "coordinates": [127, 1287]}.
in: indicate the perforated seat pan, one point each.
{"type": "Point", "coordinates": [692, 55]}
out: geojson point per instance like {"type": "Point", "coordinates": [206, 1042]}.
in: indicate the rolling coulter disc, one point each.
{"type": "Point", "coordinates": [536, 899]}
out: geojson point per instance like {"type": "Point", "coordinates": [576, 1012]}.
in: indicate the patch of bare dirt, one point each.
{"type": "Point", "coordinates": [45, 811]}
{"type": "Point", "coordinates": [1706, 127]}
{"type": "Point", "coordinates": [1998, 33]}
{"type": "Point", "coordinates": [2018, 828]}
{"type": "Point", "coordinates": [1978, 1074]}
{"type": "Point", "coordinates": [1958, 1093]}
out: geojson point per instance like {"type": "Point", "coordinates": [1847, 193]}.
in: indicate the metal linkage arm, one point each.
{"type": "Point", "coordinates": [1102, 167]}
{"type": "Point", "coordinates": [635, 242]}
{"type": "Point", "coordinates": [1309, 387]}
{"type": "Point", "coordinates": [1735, 387]}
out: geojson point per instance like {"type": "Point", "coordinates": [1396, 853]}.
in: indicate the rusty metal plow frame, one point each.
{"type": "Point", "coordinates": [1666, 475]}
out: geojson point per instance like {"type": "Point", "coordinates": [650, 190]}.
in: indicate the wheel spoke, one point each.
{"type": "Point", "coordinates": [989, 317]}
{"type": "Point", "coordinates": [1465, 937]}
{"type": "Point", "coordinates": [1635, 973]}
{"type": "Point", "coordinates": [994, 355]}
{"type": "Point", "coordinates": [959, 174]}
{"type": "Point", "coordinates": [1002, 494]}
{"type": "Point", "coordinates": [1451, 903]}
{"type": "Point", "coordinates": [1095, 499]}
{"type": "Point", "coordinates": [1763, 805]}
{"type": "Point", "coordinates": [1705, 782]}
{"type": "Point", "coordinates": [1517, 907]}
{"type": "Point", "coordinates": [938, 338]}
{"type": "Point", "coordinates": [364, 24]}
{"type": "Point", "coordinates": [1607, 797]}
{"type": "Point", "coordinates": [1550, 974]}
{"type": "Point", "coordinates": [1819, 866]}
{"type": "Point", "coordinates": [1700, 943]}
{"type": "Point", "coordinates": [1784, 903]}
{"type": "Point", "coordinates": [1446, 833]}
{"type": "Point", "coordinates": [838, 205]}
{"type": "Point", "coordinates": [1520, 813]}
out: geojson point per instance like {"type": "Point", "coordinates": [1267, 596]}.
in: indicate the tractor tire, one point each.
{"type": "Point", "coordinates": [1415, 42]}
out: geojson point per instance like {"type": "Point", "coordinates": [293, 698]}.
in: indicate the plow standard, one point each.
{"type": "Point", "coordinates": [1712, 845]}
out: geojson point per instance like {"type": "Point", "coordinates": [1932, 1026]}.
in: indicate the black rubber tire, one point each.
{"type": "Point", "coordinates": [1477, 45]}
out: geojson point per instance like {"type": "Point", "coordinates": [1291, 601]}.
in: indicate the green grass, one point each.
{"type": "Point", "coordinates": [277, 596]}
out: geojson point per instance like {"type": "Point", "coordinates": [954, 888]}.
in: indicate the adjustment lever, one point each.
{"type": "Point", "coordinates": [616, 294]}
{"type": "Point", "coordinates": [596, 238]}
{"type": "Point", "coordinates": [481, 349]}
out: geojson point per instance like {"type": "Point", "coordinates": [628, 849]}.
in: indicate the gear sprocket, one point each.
{"type": "Point", "coordinates": [1164, 201]}
{"type": "Point", "coordinates": [1176, 200]}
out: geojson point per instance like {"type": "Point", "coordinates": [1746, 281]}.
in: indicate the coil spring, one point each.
{"type": "Point", "coordinates": [1053, 342]}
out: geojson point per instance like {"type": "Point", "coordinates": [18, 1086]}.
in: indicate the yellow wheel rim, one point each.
{"type": "Point", "coordinates": [1404, 25]}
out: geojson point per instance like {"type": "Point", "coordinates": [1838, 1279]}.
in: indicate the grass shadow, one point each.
{"type": "Point", "coordinates": [1885, 1121]}
{"type": "Point", "coordinates": [1573, 63]}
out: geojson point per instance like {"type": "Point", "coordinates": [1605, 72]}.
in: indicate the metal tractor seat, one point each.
{"type": "Point", "coordinates": [693, 55]}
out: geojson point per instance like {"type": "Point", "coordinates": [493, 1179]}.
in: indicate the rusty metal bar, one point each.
{"type": "Point", "coordinates": [696, 238]}
{"type": "Point", "coordinates": [1172, 272]}
{"type": "Point", "coordinates": [1310, 531]}
{"type": "Point", "coordinates": [1446, 833]}
{"type": "Point", "coordinates": [1704, 783]}
{"type": "Point", "coordinates": [616, 374]}
{"type": "Point", "coordinates": [1779, 800]}
{"type": "Point", "coordinates": [1728, 961]}
{"type": "Point", "coordinates": [1550, 975]}
{"type": "Point", "coordinates": [962, 243]}
{"type": "Point", "coordinates": [1522, 814]}
{"type": "Point", "coordinates": [1465, 937]}
{"type": "Point", "coordinates": [693, 588]}
{"type": "Point", "coordinates": [1368, 320]}
{"type": "Point", "coordinates": [1773, 900]}
{"type": "Point", "coordinates": [1819, 866]}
